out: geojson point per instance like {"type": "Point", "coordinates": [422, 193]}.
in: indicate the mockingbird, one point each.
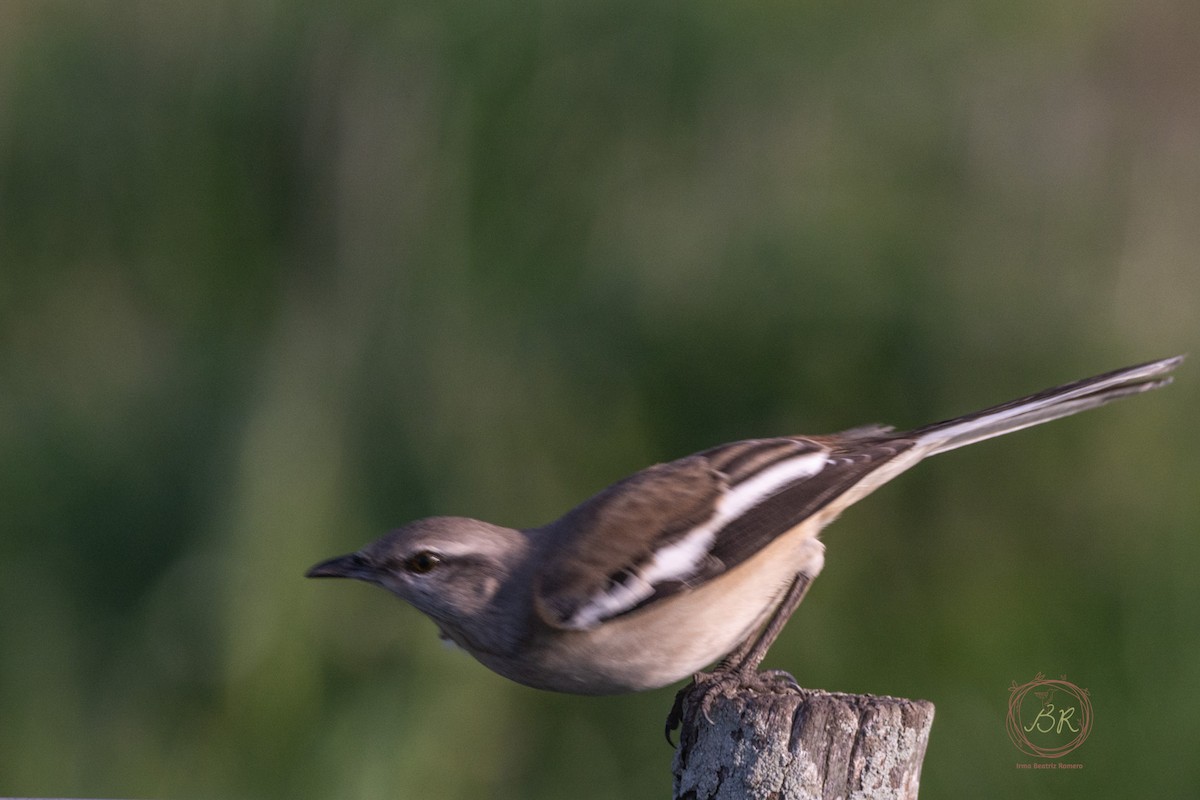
{"type": "Point", "coordinates": [679, 565]}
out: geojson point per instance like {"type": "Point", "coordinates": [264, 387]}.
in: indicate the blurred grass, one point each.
{"type": "Point", "coordinates": [275, 277]}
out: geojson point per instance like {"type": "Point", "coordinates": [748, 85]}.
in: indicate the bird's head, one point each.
{"type": "Point", "coordinates": [450, 568]}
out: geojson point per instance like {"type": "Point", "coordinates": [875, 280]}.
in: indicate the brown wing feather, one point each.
{"type": "Point", "coordinates": [622, 527]}
{"type": "Point", "coordinates": [849, 462]}
{"type": "Point", "coordinates": [602, 540]}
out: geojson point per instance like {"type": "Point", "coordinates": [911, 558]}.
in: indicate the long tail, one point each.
{"type": "Point", "coordinates": [1035, 409]}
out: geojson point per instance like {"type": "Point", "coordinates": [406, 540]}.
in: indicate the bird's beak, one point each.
{"type": "Point", "coordinates": [351, 565]}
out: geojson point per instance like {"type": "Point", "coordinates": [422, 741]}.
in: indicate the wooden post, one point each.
{"type": "Point", "coordinates": [802, 746]}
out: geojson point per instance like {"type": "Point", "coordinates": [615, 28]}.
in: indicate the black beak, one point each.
{"type": "Point", "coordinates": [351, 565]}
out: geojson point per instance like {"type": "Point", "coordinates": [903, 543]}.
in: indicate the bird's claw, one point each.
{"type": "Point", "coordinates": [707, 686]}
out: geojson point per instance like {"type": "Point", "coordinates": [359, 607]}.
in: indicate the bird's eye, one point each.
{"type": "Point", "coordinates": [422, 562]}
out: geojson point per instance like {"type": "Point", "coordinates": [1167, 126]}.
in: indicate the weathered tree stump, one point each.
{"type": "Point", "coordinates": [789, 746]}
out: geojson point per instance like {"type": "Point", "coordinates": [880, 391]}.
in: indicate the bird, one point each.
{"type": "Point", "coordinates": [1046, 696]}
{"type": "Point", "coordinates": [685, 564]}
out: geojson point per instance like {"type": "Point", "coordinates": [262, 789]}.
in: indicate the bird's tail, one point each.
{"type": "Point", "coordinates": [1035, 409]}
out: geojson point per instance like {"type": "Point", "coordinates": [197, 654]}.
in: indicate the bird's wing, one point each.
{"type": "Point", "coordinates": [677, 525]}
{"type": "Point", "coordinates": [674, 526]}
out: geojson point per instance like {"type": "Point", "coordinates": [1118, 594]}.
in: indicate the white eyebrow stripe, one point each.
{"type": "Point", "coordinates": [679, 559]}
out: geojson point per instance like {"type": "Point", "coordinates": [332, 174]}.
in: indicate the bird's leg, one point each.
{"type": "Point", "coordinates": [740, 668]}
{"type": "Point", "coordinates": [745, 659]}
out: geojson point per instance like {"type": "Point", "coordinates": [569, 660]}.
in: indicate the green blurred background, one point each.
{"type": "Point", "coordinates": [277, 276]}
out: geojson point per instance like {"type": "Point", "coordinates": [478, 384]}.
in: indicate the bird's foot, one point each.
{"type": "Point", "coordinates": [707, 686]}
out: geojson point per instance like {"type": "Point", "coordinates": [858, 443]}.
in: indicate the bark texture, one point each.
{"type": "Point", "coordinates": [807, 746]}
